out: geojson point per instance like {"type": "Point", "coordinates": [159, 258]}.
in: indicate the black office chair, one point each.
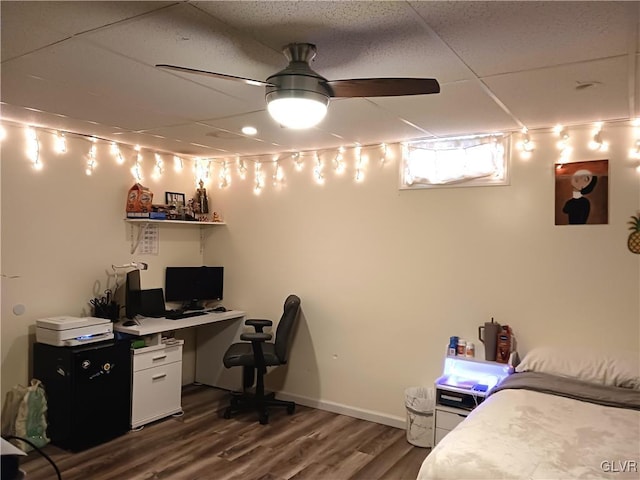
{"type": "Point", "coordinates": [256, 357]}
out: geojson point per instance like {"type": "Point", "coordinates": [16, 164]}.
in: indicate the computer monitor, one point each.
{"type": "Point", "coordinates": [152, 303]}
{"type": "Point", "coordinates": [132, 294]}
{"type": "Point", "coordinates": [193, 285]}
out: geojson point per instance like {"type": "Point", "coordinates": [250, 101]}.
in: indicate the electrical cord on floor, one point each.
{"type": "Point", "coordinates": [55, 467]}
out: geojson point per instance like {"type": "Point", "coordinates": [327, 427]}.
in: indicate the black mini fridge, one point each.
{"type": "Point", "coordinates": [88, 390]}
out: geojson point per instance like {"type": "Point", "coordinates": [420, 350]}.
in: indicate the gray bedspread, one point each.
{"type": "Point", "coordinates": [571, 388]}
{"type": "Point", "coordinates": [543, 427]}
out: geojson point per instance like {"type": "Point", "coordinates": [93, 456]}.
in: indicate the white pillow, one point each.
{"type": "Point", "coordinates": [619, 368]}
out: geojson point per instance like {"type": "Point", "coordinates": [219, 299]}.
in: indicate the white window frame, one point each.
{"type": "Point", "coordinates": [468, 161]}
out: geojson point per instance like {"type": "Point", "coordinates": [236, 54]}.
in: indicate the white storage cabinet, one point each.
{"type": "Point", "coordinates": [157, 383]}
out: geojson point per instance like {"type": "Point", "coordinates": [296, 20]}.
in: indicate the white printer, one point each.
{"type": "Point", "coordinates": [69, 331]}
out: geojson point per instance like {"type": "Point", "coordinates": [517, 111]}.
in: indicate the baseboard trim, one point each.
{"type": "Point", "coordinates": [362, 414]}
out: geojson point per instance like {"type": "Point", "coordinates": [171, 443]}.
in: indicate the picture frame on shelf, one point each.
{"type": "Point", "coordinates": [175, 198]}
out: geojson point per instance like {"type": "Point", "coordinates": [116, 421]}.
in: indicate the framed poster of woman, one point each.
{"type": "Point", "coordinates": [582, 193]}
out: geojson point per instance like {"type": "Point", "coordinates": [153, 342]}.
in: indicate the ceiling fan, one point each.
{"type": "Point", "coordinates": [297, 97]}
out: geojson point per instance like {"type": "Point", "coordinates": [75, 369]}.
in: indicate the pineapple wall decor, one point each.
{"type": "Point", "coordinates": [634, 237]}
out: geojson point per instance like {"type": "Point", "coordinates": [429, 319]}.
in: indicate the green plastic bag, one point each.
{"type": "Point", "coordinates": [24, 415]}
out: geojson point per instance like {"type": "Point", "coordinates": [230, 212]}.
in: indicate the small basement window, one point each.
{"type": "Point", "coordinates": [470, 161]}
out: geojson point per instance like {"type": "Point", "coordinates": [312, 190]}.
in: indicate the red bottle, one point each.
{"type": "Point", "coordinates": [503, 350]}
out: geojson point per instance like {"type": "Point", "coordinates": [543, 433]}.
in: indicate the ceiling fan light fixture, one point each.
{"type": "Point", "coordinates": [297, 97]}
{"type": "Point", "coordinates": [298, 109]}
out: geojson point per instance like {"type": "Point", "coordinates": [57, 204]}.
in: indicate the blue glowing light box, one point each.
{"type": "Point", "coordinates": [463, 374]}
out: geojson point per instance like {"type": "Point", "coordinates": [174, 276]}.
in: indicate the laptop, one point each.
{"type": "Point", "coordinates": [152, 303]}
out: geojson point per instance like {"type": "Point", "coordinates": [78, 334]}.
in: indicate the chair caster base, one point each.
{"type": "Point", "coordinates": [242, 403]}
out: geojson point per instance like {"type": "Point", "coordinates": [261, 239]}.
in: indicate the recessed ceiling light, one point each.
{"type": "Point", "coordinates": [248, 130]}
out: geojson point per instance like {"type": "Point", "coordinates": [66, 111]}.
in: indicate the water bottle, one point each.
{"type": "Point", "coordinates": [488, 335]}
{"type": "Point", "coordinates": [453, 346]}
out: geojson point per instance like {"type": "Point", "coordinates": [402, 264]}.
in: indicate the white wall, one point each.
{"type": "Point", "coordinates": [385, 276]}
{"type": "Point", "coordinates": [61, 232]}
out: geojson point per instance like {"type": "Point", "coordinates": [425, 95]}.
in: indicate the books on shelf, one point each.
{"type": "Point", "coordinates": [149, 215]}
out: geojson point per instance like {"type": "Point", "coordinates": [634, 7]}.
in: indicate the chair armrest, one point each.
{"type": "Point", "coordinates": [258, 323]}
{"type": "Point", "coordinates": [255, 337]}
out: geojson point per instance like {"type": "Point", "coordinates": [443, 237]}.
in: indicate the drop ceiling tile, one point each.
{"type": "Point", "coordinates": [502, 37]}
{"type": "Point", "coordinates": [354, 39]}
{"type": "Point", "coordinates": [185, 36]}
{"type": "Point", "coordinates": [345, 116]}
{"type": "Point", "coordinates": [460, 108]}
{"type": "Point", "coordinates": [151, 97]}
{"type": "Point", "coordinates": [542, 98]}
{"type": "Point", "coordinates": [27, 26]}
{"type": "Point", "coordinates": [279, 23]}
{"type": "Point", "coordinates": [210, 141]}
{"type": "Point", "coordinates": [80, 105]}
{"type": "Point", "coordinates": [171, 140]}
{"type": "Point", "coordinates": [51, 122]}
{"type": "Point", "coordinates": [69, 100]}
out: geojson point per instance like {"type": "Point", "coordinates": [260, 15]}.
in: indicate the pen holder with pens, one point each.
{"type": "Point", "coordinates": [110, 310]}
{"type": "Point", "coordinates": [105, 307]}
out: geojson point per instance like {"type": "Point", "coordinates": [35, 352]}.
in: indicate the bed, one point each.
{"type": "Point", "coordinates": [562, 415]}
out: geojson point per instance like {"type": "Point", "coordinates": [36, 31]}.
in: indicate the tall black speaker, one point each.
{"type": "Point", "coordinates": [88, 391]}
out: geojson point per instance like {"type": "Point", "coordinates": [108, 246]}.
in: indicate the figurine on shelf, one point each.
{"type": "Point", "coordinates": [201, 199]}
{"type": "Point", "coordinates": [216, 217]}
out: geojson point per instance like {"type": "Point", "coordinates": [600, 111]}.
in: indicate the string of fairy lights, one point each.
{"type": "Point", "coordinates": [597, 142]}
{"type": "Point", "coordinates": [269, 168]}
{"type": "Point", "coordinates": [266, 168]}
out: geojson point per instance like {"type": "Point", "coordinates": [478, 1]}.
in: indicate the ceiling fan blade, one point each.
{"type": "Point", "coordinates": [224, 76]}
{"type": "Point", "coordinates": [383, 87]}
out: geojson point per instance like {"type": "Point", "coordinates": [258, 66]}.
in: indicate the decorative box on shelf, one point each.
{"type": "Point", "coordinates": [138, 214]}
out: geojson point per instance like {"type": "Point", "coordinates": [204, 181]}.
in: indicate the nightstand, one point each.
{"type": "Point", "coordinates": [464, 385]}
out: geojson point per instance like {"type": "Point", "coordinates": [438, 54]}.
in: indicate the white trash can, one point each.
{"type": "Point", "coordinates": [420, 402]}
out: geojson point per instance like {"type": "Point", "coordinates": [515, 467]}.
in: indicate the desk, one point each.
{"type": "Point", "coordinates": [215, 332]}
{"type": "Point", "coordinates": [157, 368]}
{"type": "Point", "coordinates": [151, 326]}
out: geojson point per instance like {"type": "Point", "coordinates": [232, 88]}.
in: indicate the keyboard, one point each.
{"type": "Point", "coordinates": [180, 315]}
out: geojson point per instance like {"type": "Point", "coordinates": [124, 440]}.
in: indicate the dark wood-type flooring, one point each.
{"type": "Point", "coordinates": [310, 444]}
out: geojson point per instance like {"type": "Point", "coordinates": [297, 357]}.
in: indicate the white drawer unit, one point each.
{"type": "Point", "coordinates": [446, 419]}
{"type": "Point", "coordinates": [154, 358]}
{"type": "Point", "coordinates": [449, 420]}
{"type": "Point", "coordinates": [157, 383]}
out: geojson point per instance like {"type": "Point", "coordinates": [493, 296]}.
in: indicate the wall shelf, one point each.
{"type": "Point", "coordinates": [143, 223]}
{"type": "Point", "coordinates": [173, 222]}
